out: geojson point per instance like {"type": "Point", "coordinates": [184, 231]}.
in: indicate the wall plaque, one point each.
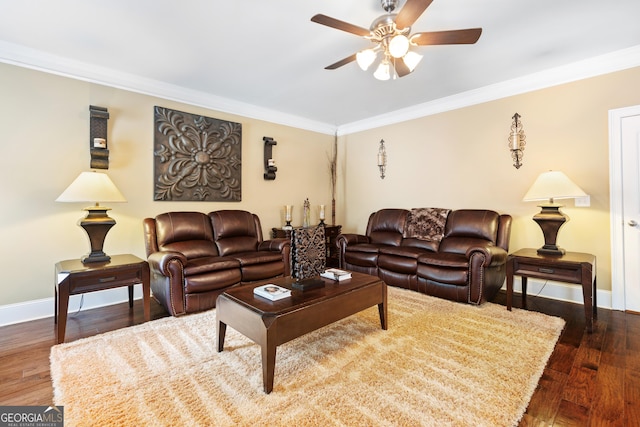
{"type": "Point", "coordinates": [196, 158]}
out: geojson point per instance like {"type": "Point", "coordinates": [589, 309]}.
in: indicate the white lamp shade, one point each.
{"type": "Point", "coordinates": [399, 46]}
{"type": "Point", "coordinates": [411, 60]}
{"type": "Point", "coordinates": [92, 187]}
{"type": "Point", "coordinates": [553, 185]}
{"type": "Point", "coordinates": [365, 58]}
{"type": "Point", "coordinates": [384, 71]}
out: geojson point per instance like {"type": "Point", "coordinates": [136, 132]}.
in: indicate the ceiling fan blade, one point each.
{"type": "Point", "coordinates": [342, 62]}
{"type": "Point", "coordinates": [340, 25]}
{"type": "Point", "coordinates": [468, 36]}
{"type": "Point", "coordinates": [401, 68]}
{"type": "Point", "coordinates": [410, 12]}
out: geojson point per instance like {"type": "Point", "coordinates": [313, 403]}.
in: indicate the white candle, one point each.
{"type": "Point", "coordinates": [515, 141]}
{"type": "Point", "coordinates": [271, 162]}
{"type": "Point", "coordinates": [322, 212]}
{"type": "Point", "coordinates": [287, 215]}
{"type": "Point", "coordinates": [99, 143]}
{"type": "Point", "coordinates": [380, 159]}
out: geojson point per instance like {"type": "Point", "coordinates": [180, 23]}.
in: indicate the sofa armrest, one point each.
{"type": "Point", "coordinates": [161, 262]}
{"type": "Point", "coordinates": [274, 245]}
{"type": "Point", "coordinates": [344, 240]}
{"type": "Point", "coordinates": [494, 255]}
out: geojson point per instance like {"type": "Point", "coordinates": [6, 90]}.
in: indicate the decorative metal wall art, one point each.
{"type": "Point", "coordinates": [98, 149]}
{"type": "Point", "coordinates": [196, 158]}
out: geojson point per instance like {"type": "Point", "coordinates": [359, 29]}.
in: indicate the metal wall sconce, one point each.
{"type": "Point", "coordinates": [98, 117]}
{"type": "Point", "coordinates": [269, 164]}
{"type": "Point", "coordinates": [517, 141]}
{"type": "Point", "coordinates": [382, 158]}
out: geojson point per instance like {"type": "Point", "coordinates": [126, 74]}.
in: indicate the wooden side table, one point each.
{"type": "Point", "coordinates": [330, 234]}
{"type": "Point", "coordinates": [72, 277]}
{"type": "Point", "coordinates": [572, 267]}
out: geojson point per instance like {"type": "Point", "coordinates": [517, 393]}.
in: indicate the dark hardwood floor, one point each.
{"type": "Point", "coordinates": [590, 380]}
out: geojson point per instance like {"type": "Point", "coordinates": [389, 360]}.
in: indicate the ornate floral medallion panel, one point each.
{"type": "Point", "coordinates": [196, 158]}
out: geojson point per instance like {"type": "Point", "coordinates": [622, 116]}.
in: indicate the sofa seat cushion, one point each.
{"type": "Point", "coordinates": [403, 251]}
{"type": "Point", "coordinates": [444, 268]}
{"type": "Point", "coordinates": [257, 257]}
{"type": "Point", "coordinates": [212, 280]}
{"type": "Point", "coordinates": [207, 264]}
{"type": "Point", "coordinates": [398, 264]}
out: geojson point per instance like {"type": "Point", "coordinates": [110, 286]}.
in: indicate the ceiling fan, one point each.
{"type": "Point", "coordinates": [391, 36]}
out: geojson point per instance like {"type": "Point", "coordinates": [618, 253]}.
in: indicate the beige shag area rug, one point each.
{"type": "Point", "coordinates": [439, 364]}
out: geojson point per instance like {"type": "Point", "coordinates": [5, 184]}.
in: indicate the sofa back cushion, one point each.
{"type": "Point", "coordinates": [386, 226]}
{"type": "Point", "coordinates": [189, 233]}
{"type": "Point", "coordinates": [469, 227]}
{"type": "Point", "coordinates": [235, 231]}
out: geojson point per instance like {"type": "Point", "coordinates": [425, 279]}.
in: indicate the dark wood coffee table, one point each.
{"type": "Point", "coordinates": [271, 323]}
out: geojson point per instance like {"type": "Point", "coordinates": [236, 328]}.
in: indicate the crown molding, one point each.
{"type": "Point", "coordinates": [34, 59]}
{"type": "Point", "coordinates": [604, 64]}
{"type": "Point", "coordinates": [41, 61]}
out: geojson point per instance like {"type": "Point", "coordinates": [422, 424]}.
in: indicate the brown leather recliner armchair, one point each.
{"type": "Point", "coordinates": [193, 257]}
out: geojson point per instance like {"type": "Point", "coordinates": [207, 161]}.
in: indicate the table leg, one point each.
{"type": "Point", "coordinates": [268, 350]}
{"type": "Point", "coordinates": [146, 292]}
{"type": "Point", "coordinates": [524, 292]}
{"type": "Point", "coordinates": [62, 309]}
{"type": "Point", "coordinates": [130, 296]}
{"type": "Point", "coordinates": [509, 284]}
{"type": "Point", "coordinates": [222, 330]}
{"type": "Point", "coordinates": [587, 294]}
{"type": "Point", "coordinates": [382, 309]}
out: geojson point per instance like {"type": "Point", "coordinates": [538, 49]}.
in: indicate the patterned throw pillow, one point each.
{"type": "Point", "coordinates": [426, 224]}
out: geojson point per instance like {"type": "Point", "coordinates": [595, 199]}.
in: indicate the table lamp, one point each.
{"type": "Point", "coordinates": [550, 186]}
{"type": "Point", "coordinates": [94, 187]}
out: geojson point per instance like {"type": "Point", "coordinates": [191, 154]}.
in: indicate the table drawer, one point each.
{"type": "Point", "coordinates": [105, 279]}
{"type": "Point", "coordinates": [560, 273]}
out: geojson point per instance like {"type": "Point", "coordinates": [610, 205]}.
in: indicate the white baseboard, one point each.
{"type": "Point", "coordinates": [559, 291]}
{"type": "Point", "coordinates": [39, 309]}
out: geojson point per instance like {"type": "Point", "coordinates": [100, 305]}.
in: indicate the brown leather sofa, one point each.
{"type": "Point", "coordinates": [465, 261]}
{"type": "Point", "coordinates": [194, 257]}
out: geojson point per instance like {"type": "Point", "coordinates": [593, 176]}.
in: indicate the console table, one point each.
{"type": "Point", "coordinates": [72, 277]}
{"type": "Point", "coordinates": [330, 234]}
{"type": "Point", "coordinates": [572, 267]}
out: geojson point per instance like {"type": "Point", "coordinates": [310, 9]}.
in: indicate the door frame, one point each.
{"type": "Point", "coordinates": [616, 116]}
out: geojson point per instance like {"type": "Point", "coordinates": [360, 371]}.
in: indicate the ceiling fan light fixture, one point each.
{"type": "Point", "coordinates": [365, 58]}
{"type": "Point", "coordinates": [383, 72]}
{"type": "Point", "coordinates": [411, 60]}
{"type": "Point", "coordinates": [399, 46]}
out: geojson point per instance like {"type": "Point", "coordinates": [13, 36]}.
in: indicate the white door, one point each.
{"type": "Point", "coordinates": [624, 127]}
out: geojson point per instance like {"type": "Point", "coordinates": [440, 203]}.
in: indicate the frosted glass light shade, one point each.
{"type": "Point", "coordinates": [92, 187]}
{"type": "Point", "coordinates": [411, 60]}
{"type": "Point", "coordinates": [383, 72]}
{"type": "Point", "coordinates": [553, 185]}
{"type": "Point", "coordinates": [365, 58]}
{"type": "Point", "coordinates": [399, 46]}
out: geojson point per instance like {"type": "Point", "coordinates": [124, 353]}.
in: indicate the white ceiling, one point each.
{"type": "Point", "coordinates": [265, 58]}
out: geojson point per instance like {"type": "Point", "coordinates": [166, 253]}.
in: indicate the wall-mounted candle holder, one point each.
{"type": "Point", "coordinates": [98, 150]}
{"type": "Point", "coordinates": [269, 163]}
{"type": "Point", "coordinates": [517, 141]}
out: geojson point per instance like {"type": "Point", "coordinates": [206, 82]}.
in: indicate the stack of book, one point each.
{"type": "Point", "coordinates": [272, 292]}
{"type": "Point", "coordinates": [336, 274]}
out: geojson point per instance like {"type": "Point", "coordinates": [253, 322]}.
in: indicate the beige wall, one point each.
{"type": "Point", "coordinates": [44, 131]}
{"type": "Point", "coordinates": [460, 159]}
{"type": "Point", "coordinates": [457, 159]}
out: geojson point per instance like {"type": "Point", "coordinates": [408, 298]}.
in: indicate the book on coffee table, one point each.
{"type": "Point", "coordinates": [336, 274]}
{"type": "Point", "coordinates": [272, 292]}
